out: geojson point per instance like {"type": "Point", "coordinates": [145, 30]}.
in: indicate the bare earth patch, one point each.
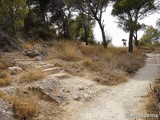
{"type": "Point", "coordinates": [119, 102]}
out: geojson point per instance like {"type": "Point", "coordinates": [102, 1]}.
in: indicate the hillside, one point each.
{"type": "Point", "coordinates": [49, 80]}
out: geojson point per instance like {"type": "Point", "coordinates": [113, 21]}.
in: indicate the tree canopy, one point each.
{"type": "Point", "coordinates": [72, 19]}
{"type": "Point", "coordinates": [151, 36]}
{"type": "Point", "coordinates": [129, 12]}
{"type": "Point", "coordinates": [95, 9]}
{"type": "Point", "coordinates": [12, 14]}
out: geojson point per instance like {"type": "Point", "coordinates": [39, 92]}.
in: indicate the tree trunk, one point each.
{"type": "Point", "coordinates": [66, 33]}
{"type": "Point", "coordinates": [86, 35]}
{"type": "Point", "coordinates": [103, 34]}
{"type": "Point", "coordinates": [13, 28]}
{"type": "Point", "coordinates": [136, 38]}
{"type": "Point", "coordinates": [12, 21]}
{"type": "Point", "coordinates": [130, 46]}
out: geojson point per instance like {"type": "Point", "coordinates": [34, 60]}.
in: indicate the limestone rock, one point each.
{"type": "Point", "coordinates": [9, 90]}
{"type": "Point", "coordinates": [15, 69]}
{"type": "Point", "coordinates": [32, 53]}
{"type": "Point", "coordinates": [77, 97]}
{"type": "Point", "coordinates": [6, 112]}
{"type": "Point", "coordinates": [7, 43]}
{"type": "Point", "coordinates": [49, 88]}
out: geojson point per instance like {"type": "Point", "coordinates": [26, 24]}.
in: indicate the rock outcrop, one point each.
{"type": "Point", "coordinates": [7, 43]}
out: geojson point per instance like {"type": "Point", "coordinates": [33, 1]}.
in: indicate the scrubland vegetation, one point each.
{"type": "Point", "coordinates": [24, 106]}
{"type": "Point", "coordinates": [31, 75]}
{"type": "Point", "coordinates": [110, 66]}
{"type": "Point", "coordinates": [67, 41]}
{"type": "Point", "coordinates": [153, 104]}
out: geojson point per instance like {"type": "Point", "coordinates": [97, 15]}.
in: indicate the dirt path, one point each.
{"type": "Point", "coordinates": [115, 102]}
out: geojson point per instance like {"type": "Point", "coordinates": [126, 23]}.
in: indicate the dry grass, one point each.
{"type": "Point", "coordinates": [27, 45]}
{"type": "Point", "coordinates": [113, 64]}
{"type": "Point", "coordinates": [2, 66]}
{"type": "Point", "coordinates": [129, 63]}
{"type": "Point", "coordinates": [5, 63]}
{"type": "Point", "coordinates": [87, 62]}
{"type": "Point", "coordinates": [67, 51]}
{"type": "Point", "coordinates": [153, 104]}
{"type": "Point", "coordinates": [2, 94]}
{"type": "Point", "coordinates": [31, 75]}
{"type": "Point", "coordinates": [24, 108]}
{"type": "Point", "coordinates": [5, 78]}
{"type": "Point", "coordinates": [108, 74]}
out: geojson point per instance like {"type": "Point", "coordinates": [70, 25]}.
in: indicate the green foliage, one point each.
{"type": "Point", "coordinates": [12, 14]}
{"type": "Point", "coordinates": [94, 9]}
{"type": "Point", "coordinates": [44, 34]}
{"type": "Point", "coordinates": [150, 36]}
{"type": "Point", "coordinates": [129, 12]}
{"type": "Point", "coordinates": [84, 29]}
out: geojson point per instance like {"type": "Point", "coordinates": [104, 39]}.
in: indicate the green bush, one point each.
{"type": "Point", "coordinates": [44, 34]}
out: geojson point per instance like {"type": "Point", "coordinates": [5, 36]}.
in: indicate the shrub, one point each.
{"type": "Point", "coordinates": [24, 108]}
{"type": "Point", "coordinates": [5, 63]}
{"type": "Point", "coordinates": [152, 106]}
{"type": "Point", "coordinates": [68, 51]}
{"type": "Point", "coordinates": [44, 34]}
{"type": "Point", "coordinates": [31, 75]}
{"type": "Point", "coordinates": [5, 78]}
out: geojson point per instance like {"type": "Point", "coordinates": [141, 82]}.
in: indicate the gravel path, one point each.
{"type": "Point", "coordinates": [116, 102]}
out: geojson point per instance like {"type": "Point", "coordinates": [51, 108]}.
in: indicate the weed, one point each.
{"type": "Point", "coordinates": [152, 106]}
{"type": "Point", "coordinates": [31, 75]}
{"type": "Point", "coordinates": [24, 108]}
{"type": "Point", "coordinates": [88, 63]}
{"type": "Point", "coordinates": [68, 51]}
{"type": "Point", "coordinates": [5, 78]}
{"type": "Point", "coordinates": [2, 94]}
{"type": "Point", "coordinates": [5, 63]}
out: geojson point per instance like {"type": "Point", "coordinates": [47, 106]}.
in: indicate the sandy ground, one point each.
{"type": "Point", "coordinates": [116, 103]}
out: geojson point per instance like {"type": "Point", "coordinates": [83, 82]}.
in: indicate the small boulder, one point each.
{"type": "Point", "coordinates": [32, 53]}
{"type": "Point", "coordinates": [81, 88]}
{"type": "Point", "coordinates": [77, 97]}
{"type": "Point", "coordinates": [49, 89]}
{"type": "Point", "coordinates": [11, 90]}
{"type": "Point", "coordinates": [89, 95]}
{"type": "Point", "coordinates": [6, 112]}
{"type": "Point", "coordinates": [39, 58]}
{"type": "Point", "coordinates": [15, 69]}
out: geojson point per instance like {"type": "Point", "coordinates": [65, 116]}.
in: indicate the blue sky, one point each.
{"type": "Point", "coordinates": [116, 33]}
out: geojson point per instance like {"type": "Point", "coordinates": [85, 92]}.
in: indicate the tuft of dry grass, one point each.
{"type": "Point", "coordinates": [67, 51]}
{"type": "Point", "coordinates": [87, 62]}
{"type": "Point", "coordinates": [2, 94]}
{"type": "Point", "coordinates": [153, 104]}
{"type": "Point", "coordinates": [111, 77]}
{"type": "Point", "coordinates": [27, 45]}
{"type": "Point", "coordinates": [5, 78]}
{"type": "Point", "coordinates": [31, 75]}
{"type": "Point", "coordinates": [2, 66]}
{"type": "Point", "coordinates": [5, 63]}
{"type": "Point", "coordinates": [24, 108]}
{"type": "Point", "coordinates": [129, 63]}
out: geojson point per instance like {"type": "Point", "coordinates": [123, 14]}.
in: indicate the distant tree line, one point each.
{"type": "Point", "coordinates": [72, 19]}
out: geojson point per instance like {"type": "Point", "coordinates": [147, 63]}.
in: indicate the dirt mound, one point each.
{"type": "Point", "coordinates": [7, 43]}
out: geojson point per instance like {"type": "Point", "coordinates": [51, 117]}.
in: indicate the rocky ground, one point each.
{"type": "Point", "coordinates": [55, 92]}
{"type": "Point", "coordinates": [62, 95]}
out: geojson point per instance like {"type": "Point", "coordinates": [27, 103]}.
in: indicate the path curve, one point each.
{"type": "Point", "coordinates": [114, 103]}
